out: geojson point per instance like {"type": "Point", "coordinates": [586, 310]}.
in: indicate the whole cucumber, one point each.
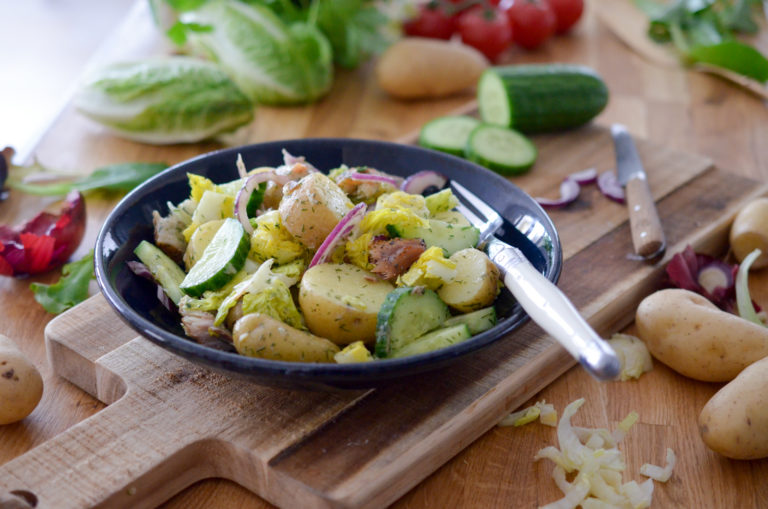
{"type": "Point", "coordinates": [540, 97]}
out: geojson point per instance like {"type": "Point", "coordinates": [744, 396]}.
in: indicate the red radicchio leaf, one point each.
{"type": "Point", "coordinates": [45, 242]}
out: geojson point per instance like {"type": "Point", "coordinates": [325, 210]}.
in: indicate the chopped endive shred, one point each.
{"type": "Point", "coordinates": [521, 417]}
{"type": "Point", "coordinates": [548, 414]}
{"type": "Point", "coordinates": [743, 300]}
{"type": "Point", "coordinates": [592, 459]}
{"type": "Point", "coordinates": [658, 473]}
{"type": "Point", "coordinates": [633, 355]}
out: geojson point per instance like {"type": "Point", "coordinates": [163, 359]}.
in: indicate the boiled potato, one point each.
{"type": "Point", "coordinates": [199, 241]}
{"type": "Point", "coordinates": [259, 335]}
{"type": "Point", "coordinates": [341, 302]}
{"type": "Point", "coordinates": [21, 385]}
{"type": "Point", "coordinates": [312, 207]}
{"type": "Point", "coordinates": [420, 68]}
{"type": "Point", "coordinates": [734, 422]}
{"type": "Point", "coordinates": [749, 231]}
{"type": "Point", "coordinates": [476, 283]}
{"type": "Point", "coordinates": [691, 335]}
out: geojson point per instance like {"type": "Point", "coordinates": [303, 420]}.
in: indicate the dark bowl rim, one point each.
{"type": "Point", "coordinates": [250, 366]}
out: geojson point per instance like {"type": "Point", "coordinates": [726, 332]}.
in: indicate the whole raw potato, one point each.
{"type": "Point", "coordinates": [691, 335]}
{"type": "Point", "coordinates": [421, 68]}
{"type": "Point", "coordinates": [749, 231]}
{"type": "Point", "coordinates": [21, 385]}
{"type": "Point", "coordinates": [734, 422]}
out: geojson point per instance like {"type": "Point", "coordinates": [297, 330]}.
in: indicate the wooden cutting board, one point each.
{"type": "Point", "coordinates": [170, 423]}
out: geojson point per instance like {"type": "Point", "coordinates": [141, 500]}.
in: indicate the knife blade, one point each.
{"type": "Point", "coordinates": [647, 233]}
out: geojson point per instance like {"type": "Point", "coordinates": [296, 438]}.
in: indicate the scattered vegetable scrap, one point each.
{"type": "Point", "coordinates": [705, 275]}
{"type": "Point", "coordinates": [45, 242]}
{"type": "Point", "coordinates": [21, 385]}
{"type": "Point", "coordinates": [591, 457]}
{"type": "Point", "coordinates": [633, 354]}
{"type": "Point", "coordinates": [541, 410]}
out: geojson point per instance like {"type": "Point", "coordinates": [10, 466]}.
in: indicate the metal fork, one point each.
{"type": "Point", "coordinates": [539, 297]}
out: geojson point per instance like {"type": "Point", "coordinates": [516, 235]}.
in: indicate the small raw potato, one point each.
{"type": "Point", "coordinates": [691, 335]}
{"type": "Point", "coordinates": [21, 385]}
{"type": "Point", "coordinates": [750, 231]}
{"type": "Point", "coordinates": [420, 68]}
{"type": "Point", "coordinates": [476, 283]}
{"type": "Point", "coordinates": [734, 422]}
{"type": "Point", "coordinates": [259, 335]}
{"type": "Point", "coordinates": [312, 207]}
{"type": "Point", "coordinates": [341, 302]}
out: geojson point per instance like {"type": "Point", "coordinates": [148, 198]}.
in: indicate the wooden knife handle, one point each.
{"type": "Point", "coordinates": [647, 234]}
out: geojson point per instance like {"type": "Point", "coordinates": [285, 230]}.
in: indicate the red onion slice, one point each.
{"type": "Point", "coordinates": [245, 192]}
{"type": "Point", "coordinates": [584, 177]}
{"type": "Point", "coordinates": [289, 160]}
{"type": "Point", "coordinates": [569, 191]}
{"type": "Point", "coordinates": [370, 177]}
{"type": "Point", "coordinates": [241, 170]}
{"type": "Point", "coordinates": [422, 180]}
{"type": "Point", "coordinates": [341, 231]}
{"type": "Point", "coordinates": [610, 187]}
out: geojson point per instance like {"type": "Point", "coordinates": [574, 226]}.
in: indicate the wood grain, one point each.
{"type": "Point", "coordinates": [681, 110]}
{"type": "Point", "coordinates": [347, 449]}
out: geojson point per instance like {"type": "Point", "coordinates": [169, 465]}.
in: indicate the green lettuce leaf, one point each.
{"type": "Point", "coordinates": [734, 56]}
{"type": "Point", "coordinates": [271, 61]}
{"type": "Point", "coordinates": [69, 290]}
{"type": "Point", "coordinates": [164, 100]}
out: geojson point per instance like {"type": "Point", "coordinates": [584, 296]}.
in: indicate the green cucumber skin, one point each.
{"type": "Point", "coordinates": [477, 156]}
{"type": "Point", "coordinates": [407, 303]}
{"type": "Point", "coordinates": [194, 287]}
{"type": "Point", "coordinates": [477, 321]}
{"type": "Point", "coordinates": [435, 340]}
{"type": "Point", "coordinates": [461, 126]}
{"type": "Point", "coordinates": [551, 97]}
{"type": "Point", "coordinates": [165, 270]}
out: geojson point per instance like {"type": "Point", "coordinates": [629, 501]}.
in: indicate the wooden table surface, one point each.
{"type": "Point", "coordinates": [685, 110]}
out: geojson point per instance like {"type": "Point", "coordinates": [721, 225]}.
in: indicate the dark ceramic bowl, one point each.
{"type": "Point", "coordinates": [528, 227]}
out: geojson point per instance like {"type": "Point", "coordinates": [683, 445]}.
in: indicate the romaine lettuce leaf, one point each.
{"type": "Point", "coordinates": [272, 62]}
{"type": "Point", "coordinates": [164, 100]}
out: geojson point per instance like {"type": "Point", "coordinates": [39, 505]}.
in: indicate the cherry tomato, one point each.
{"type": "Point", "coordinates": [567, 13]}
{"type": "Point", "coordinates": [485, 29]}
{"type": "Point", "coordinates": [432, 21]}
{"type": "Point", "coordinates": [533, 22]}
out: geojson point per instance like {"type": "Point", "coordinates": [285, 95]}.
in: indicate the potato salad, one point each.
{"type": "Point", "coordinates": [292, 264]}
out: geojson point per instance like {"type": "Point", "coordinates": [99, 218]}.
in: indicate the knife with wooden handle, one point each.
{"type": "Point", "coordinates": [647, 234]}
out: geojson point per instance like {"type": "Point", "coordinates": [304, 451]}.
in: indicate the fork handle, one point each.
{"type": "Point", "coordinates": [553, 312]}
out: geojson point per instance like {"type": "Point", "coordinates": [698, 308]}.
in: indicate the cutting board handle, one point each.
{"type": "Point", "coordinates": [109, 460]}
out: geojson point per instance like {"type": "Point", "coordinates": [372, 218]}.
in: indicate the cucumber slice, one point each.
{"type": "Point", "coordinates": [448, 134]}
{"type": "Point", "coordinates": [501, 149]}
{"type": "Point", "coordinates": [450, 237]}
{"type": "Point", "coordinates": [477, 321]}
{"type": "Point", "coordinates": [435, 340]}
{"type": "Point", "coordinates": [163, 269]}
{"type": "Point", "coordinates": [407, 313]}
{"type": "Point", "coordinates": [223, 258]}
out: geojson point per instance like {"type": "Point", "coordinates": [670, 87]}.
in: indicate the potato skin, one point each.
{"type": "Point", "coordinates": [749, 231]}
{"type": "Point", "coordinates": [311, 208]}
{"type": "Point", "coordinates": [421, 68]}
{"type": "Point", "coordinates": [341, 302]}
{"type": "Point", "coordinates": [21, 385]}
{"type": "Point", "coordinates": [476, 282]}
{"type": "Point", "coordinates": [691, 335]}
{"type": "Point", "coordinates": [734, 422]}
{"type": "Point", "coordinates": [259, 335]}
